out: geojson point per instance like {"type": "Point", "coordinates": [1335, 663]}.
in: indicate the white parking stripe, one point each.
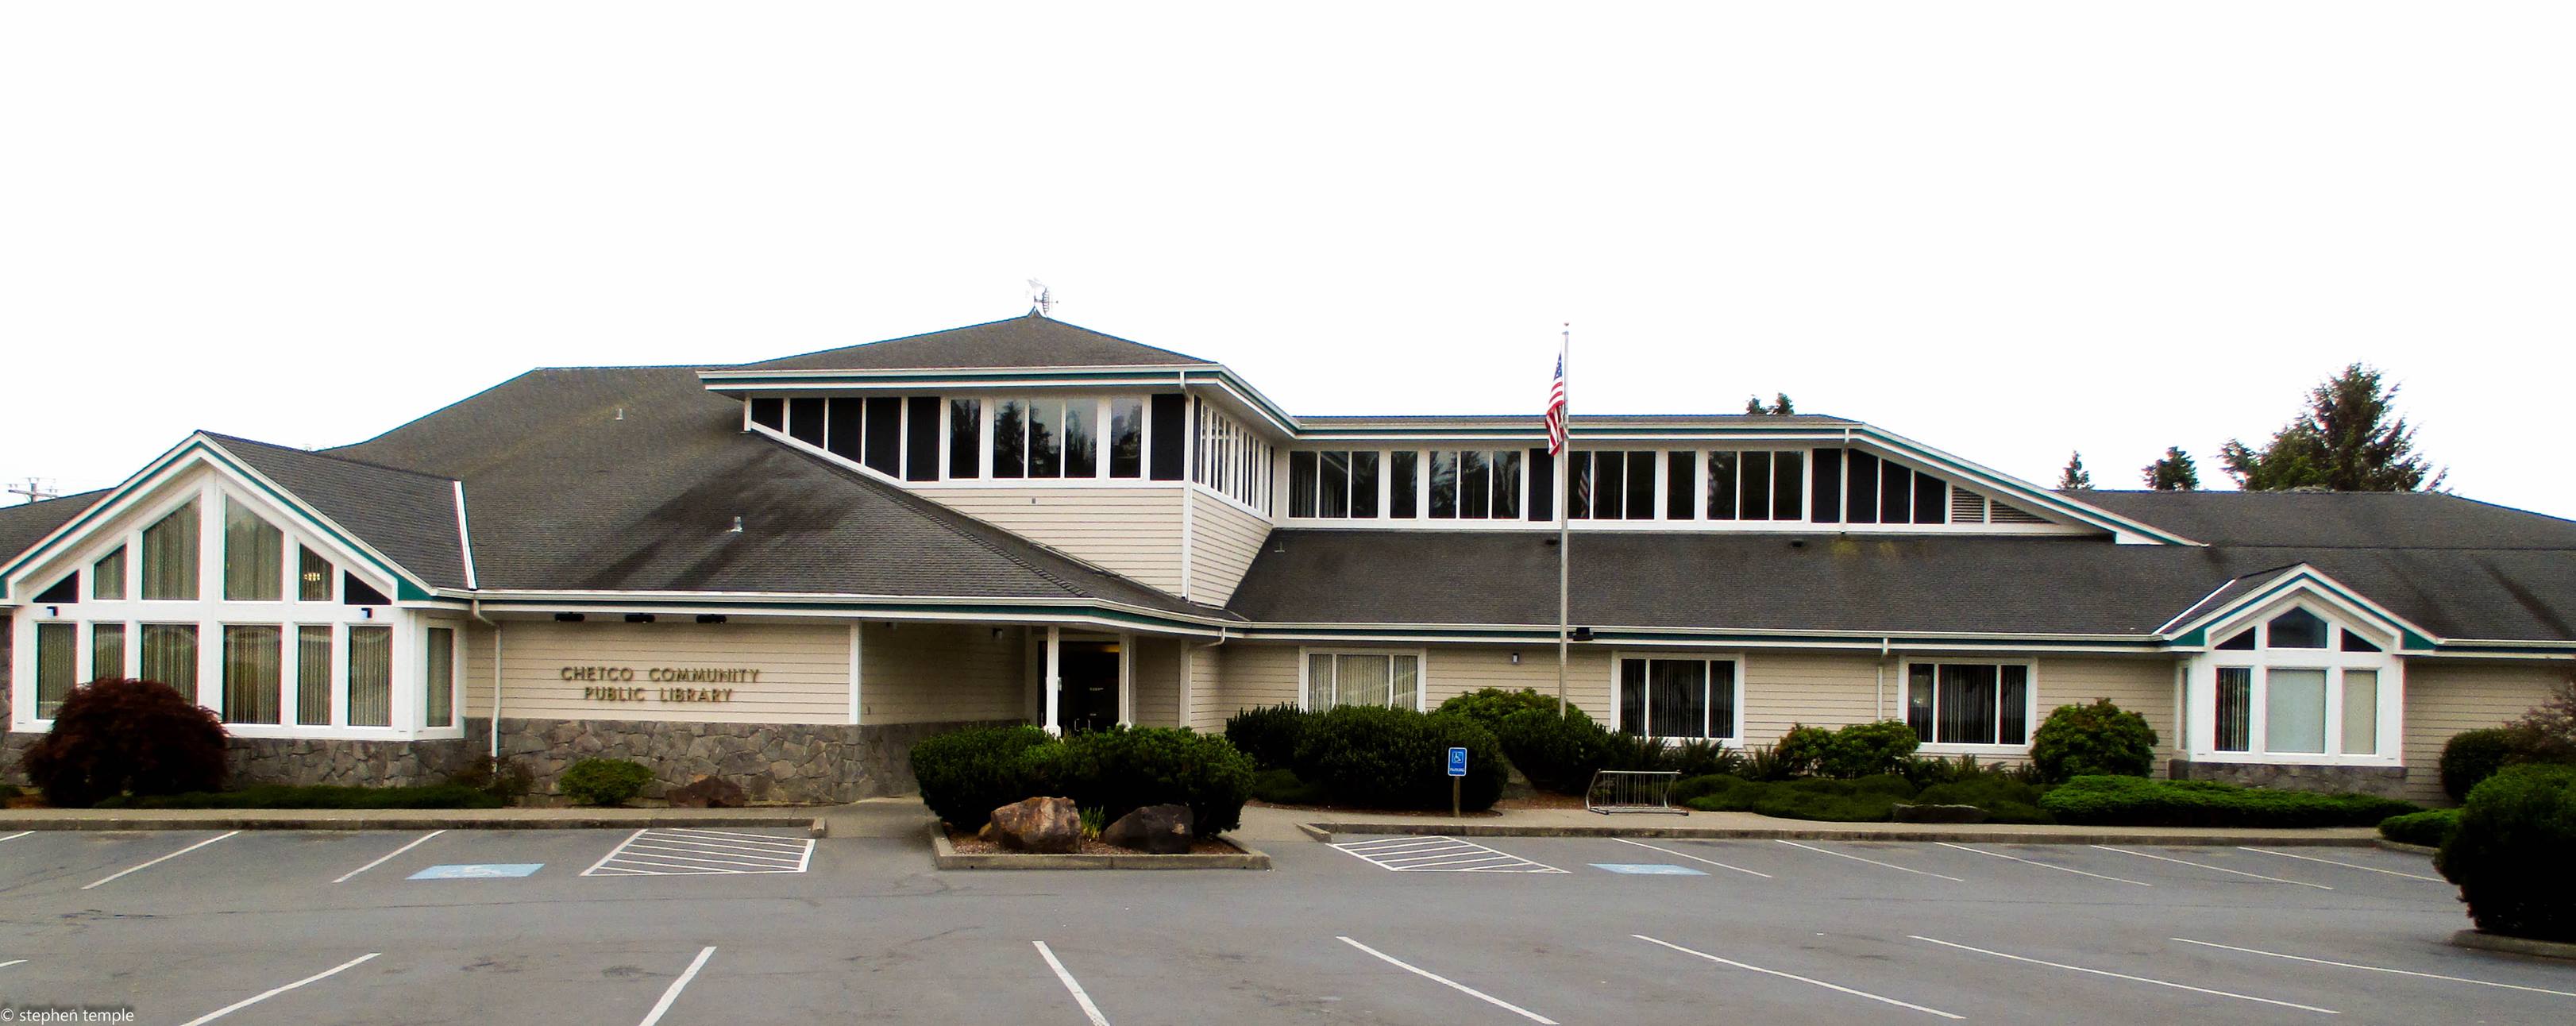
{"type": "Point", "coordinates": [2377, 969]}
{"type": "Point", "coordinates": [15, 836]}
{"type": "Point", "coordinates": [665, 852]}
{"type": "Point", "coordinates": [1442, 855]}
{"type": "Point", "coordinates": [11, 962]}
{"type": "Point", "coordinates": [673, 994]}
{"type": "Point", "coordinates": [612, 853]}
{"type": "Point", "coordinates": [1452, 984]}
{"type": "Point", "coordinates": [2346, 865]}
{"type": "Point", "coordinates": [265, 995]}
{"type": "Point", "coordinates": [1693, 858]}
{"type": "Point", "coordinates": [166, 858]}
{"type": "Point", "coordinates": [665, 839]}
{"type": "Point", "coordinates": [2042, 865]}
{"type": "Point", "coordinates": [1802, 979]}
{"type": "Point", "coordinates": [772, 838]}
{"type": "Point", "coordinates": [1874, 862]}
{"type": "Point", "coordinates": [2125, 976]}
{"type": "Point", "coordinates": [388, 856]}
{"type": "Point", "coordinates": [2222, 869]}
{"type": "Point", "coordinates": [1072, 985]}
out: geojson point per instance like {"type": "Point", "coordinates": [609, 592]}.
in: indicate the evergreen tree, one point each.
{"type": "Point", "coordinates": [2349, 439]}
{"type": "Point", "coordinates": [2075, 478]}
{"type": "Point", "coordinates": [2174, 473]}
{"type": "Point", "coordinates": [1753, 407]}
{"type": "Point", "coordinates": [1781, 407]}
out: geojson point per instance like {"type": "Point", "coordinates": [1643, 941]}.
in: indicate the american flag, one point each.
{"type": "Point", "coordinates": [1556, 410]}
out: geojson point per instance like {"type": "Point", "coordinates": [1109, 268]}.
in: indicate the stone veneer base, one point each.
{"type": "Point", "coordinates": [2384, 781]}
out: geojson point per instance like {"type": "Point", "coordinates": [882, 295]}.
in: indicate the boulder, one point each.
{"type": "Point", "coordinates": [1154, 829]}
{"type": "Point", "coordinates": [1939, 814]}
{"type": "Point", "coordinates": [707, 793]}
{"type": "Point", "coordinates": [1048, 826]}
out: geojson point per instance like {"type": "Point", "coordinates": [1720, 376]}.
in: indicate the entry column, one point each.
{"type": "Point", "coordinates": [1054, 680]}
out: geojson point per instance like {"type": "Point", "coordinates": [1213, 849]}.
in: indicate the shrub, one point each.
{"type": "Point", "coordinates": [1269, 733]}
{"type": "Point", "coordinates": [506, 779]}
{"type": "Point", "coordinates": [2516, 836]}
{"type": "Point", "coordinates": [2429, 828]}
{"type": "Point", "coordinates": [1864, 800]}
{"type": "Point", "coordinates": [1697, 758]}
{"type": "Point", "coordinates": [2099, 739]}
{"type": "Point", "coordinates": [603, 781]}
{"type": "Point", "coordinates": [1281, 787]}
{"type": "Point", "coordinates": [1802, 749]}
{"type": "Point", "coordinates": [2136, 801]}
{"type": "Point", "coordinates": [1489, 707]}
{"type": "Point", "coordinates": [1383, 758]}
{"type": "Point", "coordinates": [2005, 799]}
{"type": "Point", "coordinates": [1122, 769]}
{"type": "Point", "coordinates": [2474, 755]}
{"type": "Point", "coordinates": [117, 736]}
{"type": "Point", "coordinates": [1764, 762]}
{"type": "Point", "coordinates": [1867, 750]}
{"type": "Point", "coordinates": [281, 796]}
{"type": "Point", "coordinates": [1557, 753]}
{"type": "Point", "coordinates": [964, 775]}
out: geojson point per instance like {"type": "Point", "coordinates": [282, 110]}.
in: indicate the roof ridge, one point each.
{"type": "Point", "coordinates": [330, 454]}
{"type": "Point", "coordinates": [1032, 315]}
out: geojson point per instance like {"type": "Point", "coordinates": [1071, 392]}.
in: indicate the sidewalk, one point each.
{"type": "Point", "coordinates": [876, 817]}
{"type": "Point", "coordinates": [1266, 823]}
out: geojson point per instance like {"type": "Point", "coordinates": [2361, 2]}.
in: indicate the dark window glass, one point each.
{"type": "Point", "coordinates": [1010, 439]}
{"type": "Point", "coordinates": [1301, 484]}
{"type": "Point", "coordinates": [2356, 643]}
{"type": "Point", "coordinates": [885, 435]}
{"type": "Point", "coordinates": [1444, 485]}
{"type": "Point", "coordinates": [106, 652]}
{"type": "Point", "coordinates": [57, 662]}
{"type": "Point", "coordinates": [313, 676]}
{"type": "Point", "coordinates": [2235, 708]}
{"type": "Point", "coordinates": [805, 421]}
{"type": "Point", "coordinates": [1081, 453]}
{"type": "Point", "coordinates": [1542, 485]}
{"type": "Point", "coordinates": [1967, 705]}
{"type": "Point", "coordinates": [1475, 486]}
{"type": "Point", "coordinates": [1721, 698]}
{"type": "Point", "coordinates": [921, 438]}
{"type": "Point", "coordinates": [1632, 696]}
{"type": "Point", "coordinates": [1828, 505]}
{"type": "Point", "coordinates": [1895, 493]}
{"type": "Point", "coordinates": [1755, 502]}
{"type": "Point", "coordinates": [848, 431]}
{"type": "Point", "coordinates": [965, 438]}
{"type": "Point", "coordinates": [107, 576]}
{"type": "Point", "coordinates": [355, 592]}
{"type": "Point", "coordinates": [1333, 484]}
{"type": "Point", "coordinates": [2242, 642]}
{"type": "Point", "coordinates": [1931, 500]}
{"type": "Point", "coordinates": [1578, 492]}
{"type": "Point", "coordinates": [1364, 484]}
{"type": "Point", "coordinates": [1679, 698]}
{"type": "Point", "coordinates": [63, 592]}
{"type": "Point", "coordinates": [1918, 699]}
{"type": "Point", "coordinates": [1609, 486]}
{"type": "Point", "coordinates": [1788, 484]}
{"type": "Point", "coordinates": [2298, 628]}
{"type": "Point", "coordinates": [312, 576]}
{"type": "Point", "coordinates": [1680, 486]}
{"type": "Point", "coordinates": [1403, 474]}
{"type": "Point", "coordinates": [769, 412]}
{"type": "Point", "coordinates": [1641, 486]}
{"type": "Point", "coordinates": [1046, 445]}
{"type": "Point", "coordinates": [1126, 438]}
{"type": "Point", "coordinates": [1721, 486]}
{"type": "Point", "coordinates": [169, 655]}
{"type": "Point", "coordinates": [2013, 702]}
{"type": "Point", "coordinates": [1171, 419]}
{"type": "Point", "coordinates": [1507, 484]}
{"type": "Point", "coordinates": [253, 673]}
{"type": "Point", "coordinates": [1860, 501]}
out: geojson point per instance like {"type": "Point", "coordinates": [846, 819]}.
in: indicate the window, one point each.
{"type": "Point", "coordinates": [1475, 484]}
{"type": "Point", "coordinates": [807, 421]}
{"type": "Point", "coordinates": [965, 439]}
{"type": "Point", "coordinates": [1679, 698]}
{"type": "Point", "coordinates": [57, 645]}
{"type": "Point", "coordinates": [1010, 439]}
{"type": "Point", "coordinates": [371, 676]}
{"type": "Point", "coordinates": [2294, 687]}
{"type": "Point", "coordinates": [1404, 476]}
{"type": "Point", "coordinates": [107, 576]}
{"type": "Point", "coordinates": [1333, 484]}
{"type": "Point", "coordinates": [438, 683]}
{"type": "Point", "coordinates": [2235, 709]}
{"type": "Point", "coordinates": [170, 555]}
{"type": "Point", "coordinates": [769, 412]}
{"type": "Point", "coordinates": [61, 593]}
{"type": "Point", "coordinates": [106, 650]}
{"type": "Point", "coordinates": [1678, 471]}
{"type": "Point", "coordinates": [251, 674]}
{"type": "Point", "coordinates": [1756, 485]}
{"type": "Point", "coordinates": [1126, 438]}
{"type": "Point", "coordinates": [1386, 679]}
{"type": "Point", "coordinates": [313, 676]}
{"type": "Point", "coordinates": [2297, 628]}
{"type": "Point", "coordinates": [1231, 460]}
{"type": "Point", "coordinates": [355, 592]}
{"type": "Point", "coordinates": [1969, 703]}
{"type": "Point", "coordinates": [254, 556]}
{"type": "Point", "coordinates": [170, 655]}
{"type": "Point", "coordinates": [1612, 486]}
{"type": "Point", "coordinates": [1879, 491]}
{"type": "Point", "coordinates": [312, 576]}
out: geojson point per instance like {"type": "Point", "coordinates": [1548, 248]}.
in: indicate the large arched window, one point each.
{"type": "Point", "coordinates": [2296, 683]}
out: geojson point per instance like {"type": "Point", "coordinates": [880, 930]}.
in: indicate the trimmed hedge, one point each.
{"type": "Point", "coordinates": [2430, 828]}
{"type": "Point", "coordinates": [2005, 799]}
{"type": "Point", "coordinates": [1559, 753]}
{"type": "Point", "coordinates": [1269, 734]}
{"type": "Point", "coordinates": [2099, 739]}
{"type": "Point", "coordinates": [1855, 751]}
{"type": "Point", "coordinates": [603, 781]}
{"type": "Point", "coordinates": [964, 775]}
{"type": "Point", "coordinates": [1281, 787]}
{"type": "Point", "coordinates": [280, 796]}
{"type": "Point", "coordinates": [2516, 837]}
{"type": "Point", "coordinates": [116, 736]}
{"type": "Point", "coordinates": [2471, 756]}
{"type": "Point", "coordinates": [1381, 758]}
{"type": "Point", "coordinates": [2136, 801]}
{"type": "Point", "coordinates": [1865, 800]}
{"type": "Point", "coordinates": [1489, 707]}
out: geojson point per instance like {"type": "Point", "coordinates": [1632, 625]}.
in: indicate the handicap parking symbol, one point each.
{"type": "Point", "coordinates": [478, 871]}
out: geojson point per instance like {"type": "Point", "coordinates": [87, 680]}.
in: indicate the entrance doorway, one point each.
{"type": "Point", "coordinates": [1089, 700]}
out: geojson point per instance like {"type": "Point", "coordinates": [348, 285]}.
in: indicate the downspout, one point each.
{"type": "Point", "coordinates": [477, 608]}
{"type": "Point", "coordinates": [1881, 670]}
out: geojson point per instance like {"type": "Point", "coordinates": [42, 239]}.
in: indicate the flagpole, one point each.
{"type": "Point", "coordinates": [1564, 482]}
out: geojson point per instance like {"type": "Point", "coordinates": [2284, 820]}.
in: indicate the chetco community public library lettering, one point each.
{"type": "Point", "coordinates": [611, 683]}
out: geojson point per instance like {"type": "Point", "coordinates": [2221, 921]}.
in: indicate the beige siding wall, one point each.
{"type": "Point", "coordinates": [939, 673]}
{"type": "Point", "coordinates": [1134, 531]}
{"type": "Point", "coordinates": [2142, 685]}
{"type": "Point", "coordinates": [804, 670]}
{"type": "Point", "coordinates": [1785, 689]}
{"type": "Point", "coordinates": [1157, 694]}
{"type": "Point", "coordinates": [2446, 697]}
{"type": "Point", "coordinates": [1247, 675]}
{"type": "Point", "coordinates": [1210, 703]}
{"type": "Point", "coordinates": [1223, 540]}
{"type": "Point", "coordinates": [1458, 669]}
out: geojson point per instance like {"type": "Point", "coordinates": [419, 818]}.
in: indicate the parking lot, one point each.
{"type": "Point", "coordinates": [756, 925]}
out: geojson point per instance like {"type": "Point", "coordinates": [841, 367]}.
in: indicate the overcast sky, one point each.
{"type": "Point", "coordinates": [2007, 230]}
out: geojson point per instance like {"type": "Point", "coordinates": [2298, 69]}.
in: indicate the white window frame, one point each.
{"type": "Point", "coordinates": [1617, 717]}
{"type": "Point", "coordinates": [1421, 662]}
{"type": "Point", "coordinates": [2030, 703]}
{"type": "Point", "coordinates": [2202, 688]}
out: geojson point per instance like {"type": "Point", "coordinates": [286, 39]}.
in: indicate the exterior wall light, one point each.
{"type": "Point", "coordinates": [639, 618]}
{"type": "Point", "coordinates": [568, 617]}
{"type": "Point", "coordinates": [711, 618]}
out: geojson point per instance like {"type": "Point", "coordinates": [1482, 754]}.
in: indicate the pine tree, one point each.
{"type": "Point", "coordinates": [2174, 473]}
{"type": "Point", "coordinates": [1781, 407]}
{"type": "Point", "coordinates": [2075, 478]}
{"type": "Point", "coordinates": [1753, 407]}
{"type": "Point", "coordinates": [2349, 439]}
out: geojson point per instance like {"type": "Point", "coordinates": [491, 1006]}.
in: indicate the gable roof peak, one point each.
{"type": "Point", "coordinates": [1032, 340]}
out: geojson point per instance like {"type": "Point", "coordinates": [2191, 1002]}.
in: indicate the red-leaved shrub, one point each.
{"type": "Point", "coordinates": [116, 736]}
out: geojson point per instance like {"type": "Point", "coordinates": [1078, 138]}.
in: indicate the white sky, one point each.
{"type": "Point", "coordinates": [2008, 230]}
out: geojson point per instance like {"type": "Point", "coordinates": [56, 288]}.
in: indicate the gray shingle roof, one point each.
{"type": "Point", "coordinates": [23, 525]}
{"type": "Point", "coordinates": [408, 516]}
{"type": "Point", "coordinates": [2415, 520]}
{"type": "Point", "coordinates": [1030, 341]}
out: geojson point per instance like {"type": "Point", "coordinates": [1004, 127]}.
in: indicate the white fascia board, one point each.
{"type": "Point", "coordinates": [2308, 580]}
{"type": "Point", "coordinates": [2024, 491]}
{"type": "Point", "coordinates": [583, 600]}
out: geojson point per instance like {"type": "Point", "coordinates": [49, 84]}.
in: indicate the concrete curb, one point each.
{"type": "Point", "coordinates": [944, 855]}
{"type": "Point", "coordinates": [459, 821]}
{"type": "Point", "coordinates": [1325, 831]}
{"type": "Point", "coordinates": [2485, 941]}
{"type": "Point", "coordinates": [2411, 849]}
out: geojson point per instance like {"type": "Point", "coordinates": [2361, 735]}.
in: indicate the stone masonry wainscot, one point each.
{"type": "Point", "coordinates": [2384, 781]}
{"type": "Point", "coordinates": [774, 762]}
{"type": "Point", "coordinates": [262, 760]}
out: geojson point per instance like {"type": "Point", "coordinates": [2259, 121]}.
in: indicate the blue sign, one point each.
{"type": "Point", "coordinates": [1457, 762]}
{"type": "Point", "coordinates": [478, 871]}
